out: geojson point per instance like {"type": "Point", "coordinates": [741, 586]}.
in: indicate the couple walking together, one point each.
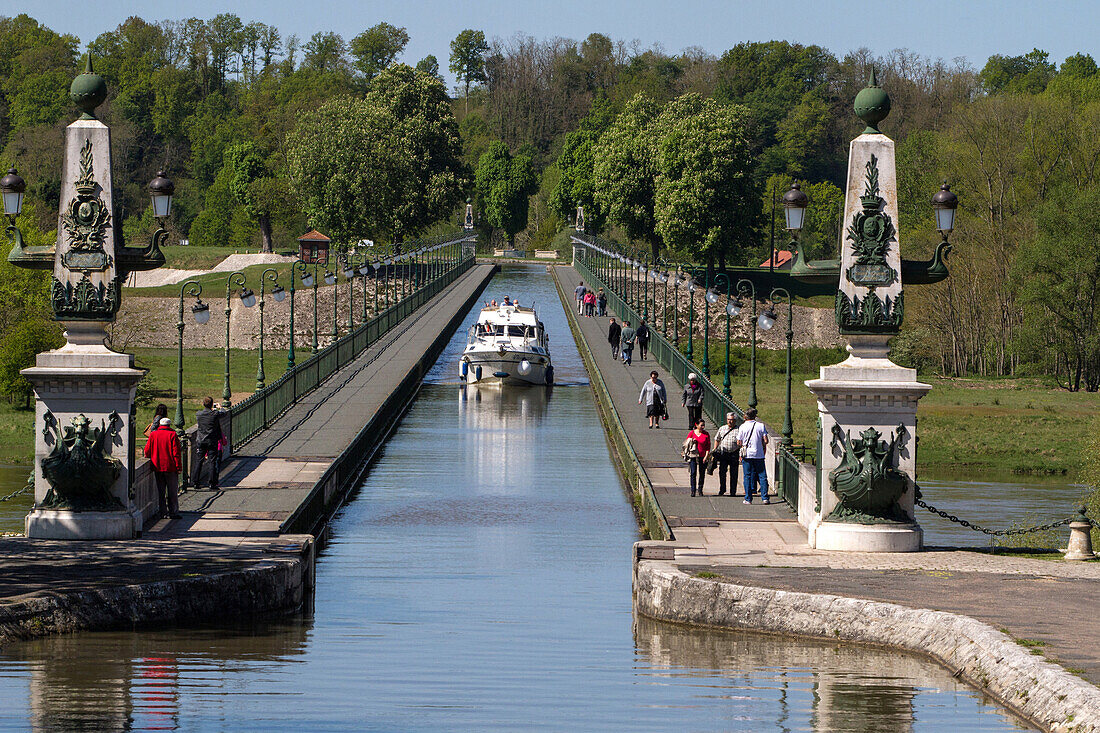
{"type": "Point", "coordinates": [622, 339]}
{"type": "Point", "coordinates": [746, 444]}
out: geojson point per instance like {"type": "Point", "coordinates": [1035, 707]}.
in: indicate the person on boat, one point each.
{"type": "Point", "coordinates": [493, 303]}
{"type": "Point", "coordinates": [614, 334]}
{"type": "Point", "coordinates": [692, 399]}
{"type": "Point", "coordinates": [694, 450]}
{"type": "Point", "coordinates": [626, 342]}
{"type": "Point", "coordinates": [507, 301]}
{"type": "Point", "coordinates": [752, 437]}
{"type": "Point", "coordinates": [655, 398]}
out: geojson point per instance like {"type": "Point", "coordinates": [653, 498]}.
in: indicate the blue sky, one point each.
{"type": "Point", "coordinates": [973, 29]}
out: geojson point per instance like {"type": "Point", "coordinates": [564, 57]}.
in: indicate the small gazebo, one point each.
{"type": "Point", "coordinates": [313, 248]}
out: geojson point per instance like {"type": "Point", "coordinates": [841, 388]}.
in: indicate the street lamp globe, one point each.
{"type": "Point", "coordinates": [329, 278]}
{"type": "Point", "coordinates": [663, 277]}
{"type": "Point", "coordinates": [248, 298]}
{"type": "Point", "coordinates": [364, 269]}
{"type": "Point", "coordinates": [945, 203]}
{"type": "Point", "coordinates": [201, 312]}
{"type": "Point", "coordinates": [12, 188]}
{"type": "Point", "coordinates": [307, 280]}
{"type": "Point", "coordinates": [692, 287]}
{"type": "Point", "coordinates": [349, 272]}
{"type": "Point", "coordinates": [278, 293]}
{"type": "Point", "coordinates": [733, 308]}
{"type": "Point", "coordinates": [712, 296]}
{"type": "Point", "coordinates": [794, 207]}
{"type": "Point", "coordinates": [767, 319]}
{"type": "Point", "coordinates": [161, 190]}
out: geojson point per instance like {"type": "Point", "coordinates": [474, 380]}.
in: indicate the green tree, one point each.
{"type": "Point", "coordinates": [430, 66]}
{"type": "Point", "coordinates": [377, 47]}
{"type": "Point", "coordinates": [575, 185]}
{"type": "Point", "coordinates": [624, 171]}
{"type": "Point", "coordinates": [18, 347]}
{"type": "Point", "coordinates": [1026, 74]}
{"type": "Point", "coordinates": [504, 183]}
{"type": "Point", "coordinates": [253, 186]}
{"type": "Point", "coordinates": [705, 201]}
{"type": "Point", "coordinates": [325, 52]}
{"type": "Point", "coordinates": [468, 51]}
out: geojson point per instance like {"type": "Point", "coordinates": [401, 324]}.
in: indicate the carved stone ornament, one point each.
{"type": "Point", "coordinates": [870, 314]}
{"type": "Point", "coordinates": [86, 301]}
{"type": "Point", "coordinates": [866, 481]}
{"type": "Point", "coordinates": [870, 233]}
{"type": "Point", "coordinates": [86, 218]}
{"type": "Point", "coordinates": [79, 470]}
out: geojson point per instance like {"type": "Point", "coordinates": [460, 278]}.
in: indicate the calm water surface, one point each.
{"type": "Point", "coordinates": [479, 580]}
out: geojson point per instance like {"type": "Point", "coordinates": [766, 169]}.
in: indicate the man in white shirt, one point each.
{"type": "Point", "coordinates": [578, 295]}
{"type": "Point", "coordinates": [752, 436]}
{"type": "Point", "coordinates": [726, 453]}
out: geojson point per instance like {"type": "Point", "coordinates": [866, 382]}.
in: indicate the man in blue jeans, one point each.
{"type": "Point", "coordinates": [752, 437]}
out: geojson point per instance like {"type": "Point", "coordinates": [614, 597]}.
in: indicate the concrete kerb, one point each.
{"type": "Point", "coordinates": [1031, 687]}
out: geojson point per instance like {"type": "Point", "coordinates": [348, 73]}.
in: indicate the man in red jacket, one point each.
{"type": "Point", "coordinates": [163, 451]}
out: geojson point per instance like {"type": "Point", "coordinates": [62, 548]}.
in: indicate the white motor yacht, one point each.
{"type": "Point", "coordinates": [508, 345]}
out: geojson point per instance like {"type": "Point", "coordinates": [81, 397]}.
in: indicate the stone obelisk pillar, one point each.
{"type": "Point", "coordinates": [867, 405]}
{"type": "Point", "coordinates": [84, 391]}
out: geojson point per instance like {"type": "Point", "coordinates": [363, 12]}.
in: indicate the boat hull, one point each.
{"type": "Point", "coordinates": [509, 368]}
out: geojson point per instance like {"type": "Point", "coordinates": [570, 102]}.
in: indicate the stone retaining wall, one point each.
{"type": "Point", "coordinates": [1028, 685]}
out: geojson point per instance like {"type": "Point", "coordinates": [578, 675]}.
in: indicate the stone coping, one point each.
{"type": "Point", "coordinates": [1031, 687]}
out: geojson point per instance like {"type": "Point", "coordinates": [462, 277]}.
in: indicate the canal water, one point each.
{"type": "Point", "coordinates": [479, 579]}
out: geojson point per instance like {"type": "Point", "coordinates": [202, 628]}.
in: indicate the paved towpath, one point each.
{"type": "Point", "coordinates": [1042, 600]}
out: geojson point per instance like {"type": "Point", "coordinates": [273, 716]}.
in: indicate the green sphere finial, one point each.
{"type": "Point", "coordinates": [872, 105]}
{"type": "Point", "coordinates": [88, 90]}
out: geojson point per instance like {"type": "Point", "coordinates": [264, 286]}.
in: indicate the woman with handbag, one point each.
{"type": "Point", "coordinates": [655, 398]}
{"type": "Point", "coordinates": [695, 449]}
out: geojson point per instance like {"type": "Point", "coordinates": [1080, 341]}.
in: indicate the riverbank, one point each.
{"type": "Point", "coordinates": [726, 561]}
{"type": "Point", "coordinates": [249, 548]}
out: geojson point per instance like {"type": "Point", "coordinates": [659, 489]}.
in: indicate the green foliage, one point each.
{"type": "Point", "coordinates": [625, 169]}
{"type": "Point", "coordinates": [325, 52]}
{"type": "Point", "coordinates": [1026, 74]}
{"type": "Point", "coordinates": [575, 185]}
{"type": "Point", "coordinates": [468, 59]}
{"type": "Point", "coordinates": [430, 66]}
{"type": "Point", "coordinates": [504, 183]}
{"type": "Point", "coordinates": [384, 166]}
{"type": "Point", "coordinates": [377, 47]}
{"type": "Point", "coordinates": [706, 203]}
{"type": "Point", "coordinates": [18, 347]}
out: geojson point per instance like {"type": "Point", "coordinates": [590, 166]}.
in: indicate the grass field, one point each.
{"type": "Point", "coordinates": [966, 425]}
{"type": "Point", "coordinates": [213, 284]}
{"type": "Point", "coordinates": [204, 371]}
{"type": "Point", "coordinates": [194, 257]}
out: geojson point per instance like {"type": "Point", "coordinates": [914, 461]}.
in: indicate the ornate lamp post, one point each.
{"type": "Point", "coordinates": [307, 281]}
{"type": "Point", "coordinates": [201, 313]}
{"type": "Point", "coordinates": [663, 277]}
{"type": "Point", "coordinates": [330, 279]}
{"type": "Point", "coordinates": [349, 275]}
{"type": "Point", "coordinates": [944, 203]}
{"type": "Point", "coordinates": [726, 379]}
{"type": "Point", "coordinates": [746, 288]}
{"type": "Point", "coordinates": [643, 270]}
{"type": "Point", "coordinates": [767, 320]}
{"type": "Point", "coordinates": [710, 297]}
{"type": "Point", "coordinates": [678, 281]}
{"type": "Point", "coordinates": [249, 300]}
{"type": "Point", "coordinates": [691, 318]}
{"type": "Point", "coordinates": [12, 188]}
{"type": "Point", "coordinates": [364, 270]}
{"type": "Point", "coordinates": [278, 294]}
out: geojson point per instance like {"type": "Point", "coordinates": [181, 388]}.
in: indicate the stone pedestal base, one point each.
{"type": "Point", "coordinates": [869, 537]}
{"type": "Point", "coordinates": [61, 524]}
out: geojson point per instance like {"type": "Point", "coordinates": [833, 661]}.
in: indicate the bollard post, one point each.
{"type": "Point", "coordinates": [1080, 538]}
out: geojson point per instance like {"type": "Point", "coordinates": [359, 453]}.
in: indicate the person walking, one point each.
{"type": "Point", "coordinates": [614, 335]}
{"type": "Point", "coordinates": [578, 294]}
{"type": "Point", "coordinates": [752, 437]}
{"type": "Point", "coordinates": [655, 398]}
{"type": "Point", "coordinates": [695, 449]}
{"type": "Point", "coordinates": [589, 304]}
{"type": "Point", "coordinates": [692, 399]}
{"type": "Point", "coordinates": [626, 342]}
{"type": "Point", "coordinates": [726, 454]}
{"type": "Point", "coordinates": [163, 451]}
{"type": "Point", "coordinates": [159, 414]}
{"type": "Point", "coordinates": [207, 438]}
{"type": "Point", "coordinates": [601, 303]}
{"type": "Point", "coordinates": [643, 339]}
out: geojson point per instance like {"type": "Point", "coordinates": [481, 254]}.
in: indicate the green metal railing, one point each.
{"type": "Point", "coordinates": [254, 414]}
{"type": "Point", "coordinates": [715, 404]}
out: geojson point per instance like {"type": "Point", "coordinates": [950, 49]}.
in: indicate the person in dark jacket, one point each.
{"type": "Point", "coordinates": [163, 451]}
{"type": "Point", "coordinates": [614, 333]}
{"type": "Point", "coordinates": [207, 438]}
{"type": "Point", "coordinates": [642, 334]}
{"type": "Point", "coordinates": [692, 399]}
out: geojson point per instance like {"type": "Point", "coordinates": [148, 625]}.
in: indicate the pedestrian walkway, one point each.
{"type": "Point", "coordinates": [1047, 602]}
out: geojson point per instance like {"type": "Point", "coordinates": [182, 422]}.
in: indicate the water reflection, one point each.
{"type": "Point", "coordinates": [782, 684]}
